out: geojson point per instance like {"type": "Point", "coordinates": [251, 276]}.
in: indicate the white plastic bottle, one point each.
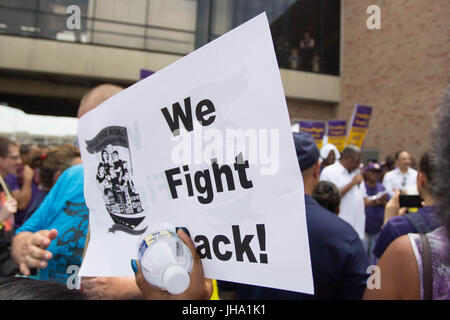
{"type": "Point", "coordinates": [165, 260]}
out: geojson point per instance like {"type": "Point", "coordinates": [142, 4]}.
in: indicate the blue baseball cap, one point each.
{"type": "Point", "coordinates": [306, 149]}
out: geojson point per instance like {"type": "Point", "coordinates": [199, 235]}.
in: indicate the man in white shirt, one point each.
{"type": "Point", "coordinates": [403, 177]}
{"type": "Point", "coordinates": [346, 176]}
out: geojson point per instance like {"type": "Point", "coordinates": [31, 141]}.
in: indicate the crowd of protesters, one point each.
{"type": "Point", "coordinates": [356, 217]}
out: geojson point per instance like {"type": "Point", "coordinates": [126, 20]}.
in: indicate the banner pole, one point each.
{"type": "Point", "coordinates": [8, 193]}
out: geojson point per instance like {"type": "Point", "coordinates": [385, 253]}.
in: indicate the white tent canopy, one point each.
{"type": "Point", "coordinates": [16, 122]}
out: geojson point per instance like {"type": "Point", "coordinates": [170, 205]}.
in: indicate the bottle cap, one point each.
{"type": "Point", "coordinates": [176, 279]}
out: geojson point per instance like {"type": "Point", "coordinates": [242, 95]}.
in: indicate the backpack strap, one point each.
{"type": "Point", "coordinates": [418, 222]}
{"type": "Point", "coordinates": [426, 265]}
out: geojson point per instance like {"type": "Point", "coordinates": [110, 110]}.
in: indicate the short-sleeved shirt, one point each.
{"type": "Point", "coordinates": [374, 214]}
{"type": "Point", "coordinates": [35, 204]}
{"type": "Point", "coordinates": [338, 260]}
{"type": "Point", "coordinates": [400, 225]}
{"type": "Point", "coordinates": [64, 209]}
{"type": "Point", "coordinates": [352, 203]}
{"type": "Point", "coordinates": [395, 179]}
{"type": "Point", "coordinates": [13, 184]}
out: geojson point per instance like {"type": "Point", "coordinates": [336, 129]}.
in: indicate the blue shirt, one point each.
{"type": "Point", "coordinates": [64, 209]}
{"type": "Point", "coordinates": [339, 262]}
{"type": "Point", "coordinates": [400, 225]}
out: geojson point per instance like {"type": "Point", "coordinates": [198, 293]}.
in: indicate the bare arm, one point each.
{"type": "Point", "coordinates": [374, 203]}
{"type": "Point", "coordinates": [399, 273]}
{"type": "Point", "coordinates": [382, 201]}
{"type": "Point", "coordinates": [9, 208]}
{"type": "Point", "coordinates": [369, 202]}
{"type": "Point", "coordinates": [392, 208]}
{"type": "Point", "coordinates": [111, 288]}
{"type": "Point", "coordinates": [23, 195]}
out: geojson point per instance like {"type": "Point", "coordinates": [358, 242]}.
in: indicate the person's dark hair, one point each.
{"type": "Point", "coordinates": [397, 154]}
{"type": "Point", "coordinates": [5, 143]}
{"type": "Point", "coordinates": [426, 167]}
{"type": "Point", "coordinates": [58, 159]}
{"type": "Point", "coordinates": [104, 152]}
{"type": "Point", "coordinates": [327, 195]}
{"type": "Point", "coordinates": [17, 288]}
{"type": "Point", "coordinates": [24, 149]}
{"type": "Point", "coordinates": [389, 161]}
{"type": "Point", "coordinates": [440, 151]}
{"type": "Point", "coordinates": [350, 151]}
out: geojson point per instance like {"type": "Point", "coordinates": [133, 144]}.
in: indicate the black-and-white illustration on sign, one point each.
{"type": "Point", "coordinates": [114, 179]}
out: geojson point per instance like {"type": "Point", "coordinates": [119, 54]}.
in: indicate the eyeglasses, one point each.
{"type": "Point", "coordinates": [404, 181]}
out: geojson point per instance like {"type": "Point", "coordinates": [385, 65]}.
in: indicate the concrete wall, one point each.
{"type": "Point", "coordinates": [311, 86]}
{"type": "Point", "coordinates": [99, 62]}
{"type": "Point", "coordinates": [400, 70]}
{"type": "Point", "coordinates": [37, 55]}
{"type": "Point", "coordinates": [311, 110]}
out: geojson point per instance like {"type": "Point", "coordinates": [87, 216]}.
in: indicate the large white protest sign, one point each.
{"type": "Point", "coordinates": [206, 144]}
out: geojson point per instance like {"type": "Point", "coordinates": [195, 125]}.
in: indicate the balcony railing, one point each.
{"type": "Point", "coordinates": [42, 24]}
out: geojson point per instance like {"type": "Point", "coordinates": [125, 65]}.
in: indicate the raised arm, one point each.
{"type": "Point", "coordinates": [23, 195]}
{"type": "Point", "coordinates": [355, 181]}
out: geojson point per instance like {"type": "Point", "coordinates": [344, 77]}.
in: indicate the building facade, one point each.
{"type": "Point", "coordinates": [400, 70]}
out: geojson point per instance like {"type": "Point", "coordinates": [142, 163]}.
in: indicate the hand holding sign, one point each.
{"type": "Point", "coordinates": [199, 287]}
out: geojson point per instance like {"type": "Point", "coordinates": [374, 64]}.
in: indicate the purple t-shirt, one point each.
{"type": "Point", "coordinates": [374, 215]}
{"type": "Point", "coordinates": [400, 225]}
{"type": "Point", "coordinates": [13, 184]}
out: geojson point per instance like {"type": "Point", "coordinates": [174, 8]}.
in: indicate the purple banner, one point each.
{"type": "Point", "coordinates": [315, 128]}
{"type": "Point", "coordinates": [337, 133]}
{"type": "Point", "coordinates": [337, 128]}
{"type": "Point", "coordinates": [362, 116]}
{"type": "Point", "coordinates": [359, 123]}
{"type": "Point", "coordinates": [145, 73]}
